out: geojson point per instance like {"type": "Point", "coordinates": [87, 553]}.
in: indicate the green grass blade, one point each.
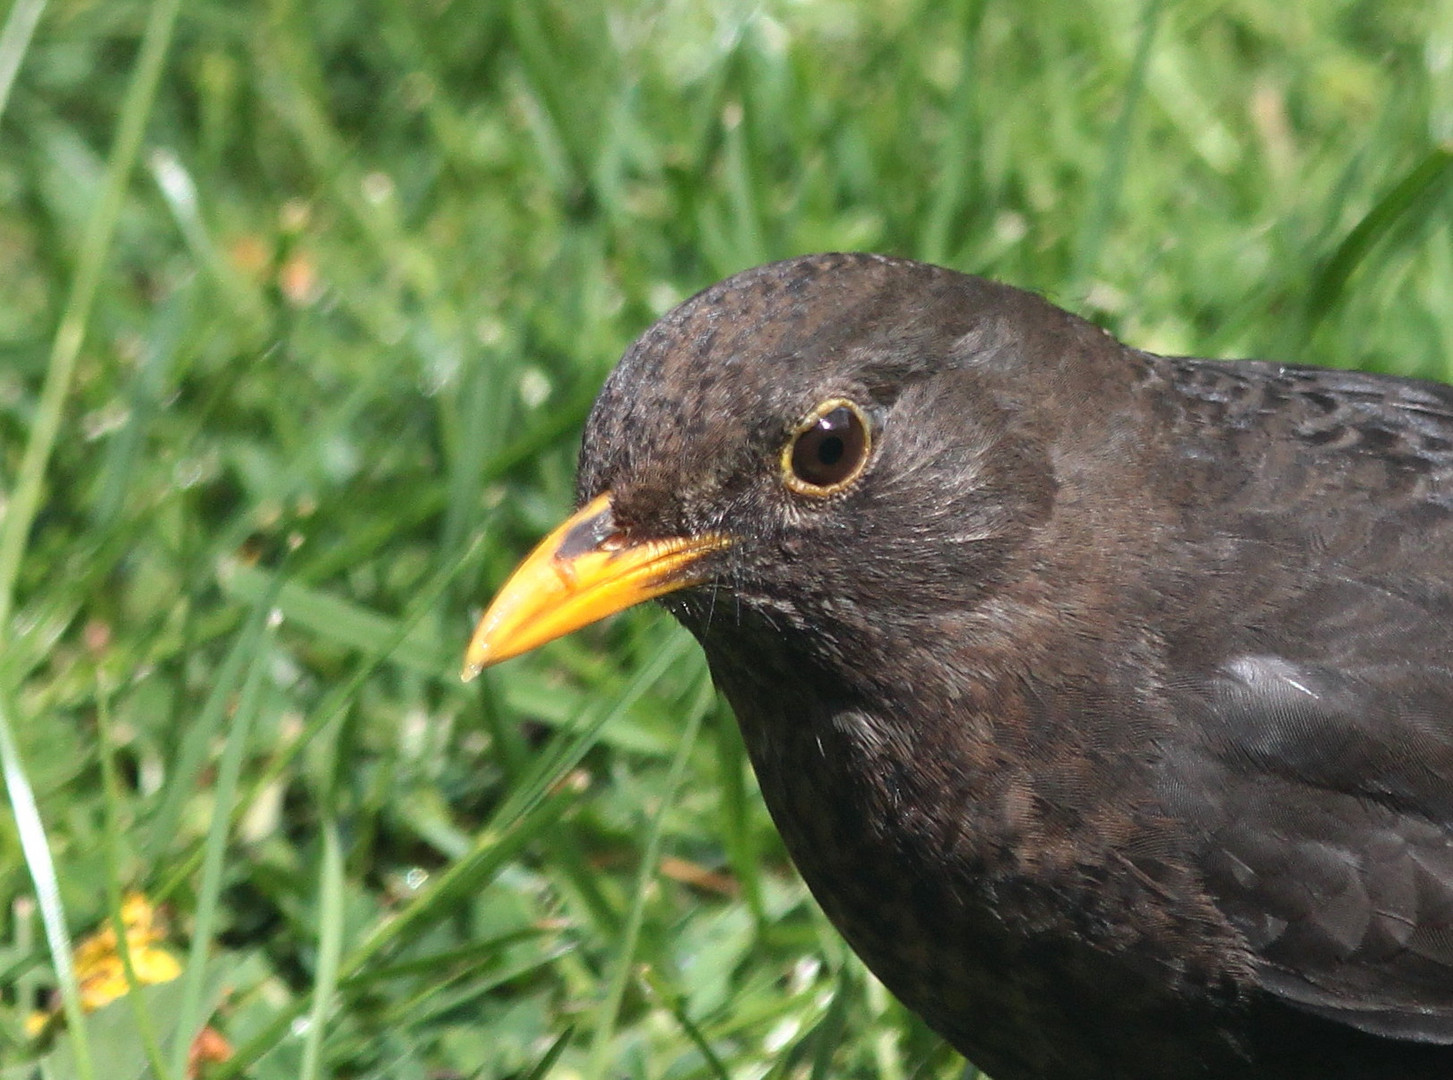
{"type": "Point", "coordinates": [829, 1032]}
{"type": "Point", "coordinates": [439, 961]}
{"type": "Point", "coordinates": [1430, 179]}
{"type": "Point", "coordinates": [214, 851]}
{"type": "Point", "coordinates": [676, 1005]}
{"type": "Point", "coordinates": [15, 37]}
{"type": "Point", "coordinates": [330, 950]}
{"type": "Point", "coordinates": [41, 864]}
{"type": "Point", "coordinates": [551, 1055]}
{"type": "Point", "coordinates": [444, 997]}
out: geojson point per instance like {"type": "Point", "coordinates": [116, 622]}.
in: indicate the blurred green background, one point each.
{"type": "Point", "coordinates": [302, 306]}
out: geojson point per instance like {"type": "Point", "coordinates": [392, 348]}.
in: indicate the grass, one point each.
{"type": "Point", "coordinates": [304, 305]}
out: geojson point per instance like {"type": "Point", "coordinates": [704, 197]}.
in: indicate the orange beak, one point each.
{"type": "Point", "coordinates": [580, 573]}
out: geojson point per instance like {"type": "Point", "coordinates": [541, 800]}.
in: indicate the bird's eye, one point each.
{"type": "Point", "coordinates": [828, 449]}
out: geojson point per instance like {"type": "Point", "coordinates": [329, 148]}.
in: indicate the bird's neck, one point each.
{"type": "Point", "coordinates": [913, 810]}
{"type": "Point", "coordinates": [899, 738]}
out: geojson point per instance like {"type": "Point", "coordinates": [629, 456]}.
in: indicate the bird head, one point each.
{"type": "Point", "coordinates": [823, 450]}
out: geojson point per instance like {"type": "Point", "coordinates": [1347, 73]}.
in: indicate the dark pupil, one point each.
{"type": "Point", "coordinates": [829, 451]}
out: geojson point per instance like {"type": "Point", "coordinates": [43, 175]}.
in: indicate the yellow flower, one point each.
{"type": "Point", "coordinates": [99, 970]}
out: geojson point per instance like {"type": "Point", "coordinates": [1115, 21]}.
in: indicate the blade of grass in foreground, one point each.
{"type": "Point", "coordinates": [20, 25]}
{"type": "Point", "coordinates": [1428, 180]}
{"type": "Point", "coordinates": [330, 949]}
{"type": "Point", "coordinates": [38, 859]}
{"type": "Point", "coordinates": [675, 1003]}
{"type": "Point", "coordinates": [829, 1031]}
{"type": "Point", "coordinates": [552, 1055]}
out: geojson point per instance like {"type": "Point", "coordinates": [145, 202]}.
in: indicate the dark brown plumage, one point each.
{"type": "Point", "coordinates": [1106, 704]}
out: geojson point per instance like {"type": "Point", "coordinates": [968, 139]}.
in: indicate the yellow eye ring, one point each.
{"type": "Point", "coordinates": [827, 449]}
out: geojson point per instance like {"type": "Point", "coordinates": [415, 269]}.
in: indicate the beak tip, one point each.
{"type": "Point", "coordinates": [476, 658]}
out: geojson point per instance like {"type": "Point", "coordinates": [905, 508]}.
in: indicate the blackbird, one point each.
{"type": "Point", "coordinates": [1103, 699]}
